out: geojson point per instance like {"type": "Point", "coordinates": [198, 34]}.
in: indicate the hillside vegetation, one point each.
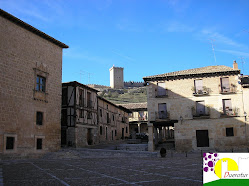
{"type": "Point", "coordinates": [123, 96]}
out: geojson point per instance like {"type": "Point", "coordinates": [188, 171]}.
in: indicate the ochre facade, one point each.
{"type": "Point", "coordinates": [30, 88]}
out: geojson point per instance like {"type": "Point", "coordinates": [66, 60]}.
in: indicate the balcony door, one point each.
{"type": "Point", "coordinates": [200, 108]}
{"type": "Point", "coordinates": [225, 84]}
{"type": "Point", "coordinates": [198, 86]}
{"type": "Point", "coordinates": [227, 106]}
{"type": "Point", "coordinates": [162, 110]}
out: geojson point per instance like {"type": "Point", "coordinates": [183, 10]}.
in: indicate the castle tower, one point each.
{"type": "Point", "coordinates": [116, 77]}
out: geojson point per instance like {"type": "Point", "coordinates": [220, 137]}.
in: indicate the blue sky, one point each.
{"type": "Point", "coordinates": [145, 37]}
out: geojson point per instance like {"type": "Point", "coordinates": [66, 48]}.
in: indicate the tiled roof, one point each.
{"type": "Point", "coordinates": [195, 71]}
{"type": "Point", "coordinates": [134, 106]}
{"type": "Point", "coordinates": [31, 28]}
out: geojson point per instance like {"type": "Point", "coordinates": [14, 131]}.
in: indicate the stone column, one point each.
{"type": "Point", "coordinates": [156, 135]}
{"type": "Point", "coordinates": [151, 145]}
{"type": "Point", "coordinates": [139, 127]}
{"type": "Point", "coordinates": [160, 134]}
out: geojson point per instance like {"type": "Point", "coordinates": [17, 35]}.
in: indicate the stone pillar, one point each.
{"type": "Point", "coordinates": [156, 135]}
{"type": "Point", "coordinates": [160, 138]}
{"type": "Point", "coordinates": [139, 127]}
{"type": "Point", "coordinates": [151, 145]}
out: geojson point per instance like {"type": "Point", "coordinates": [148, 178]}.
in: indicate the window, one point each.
{"type": "Point", "coordinates": [89, 115]}
{"type": "Point", "coordinates": [40, 83]}
{"type": "Point", "coordinates": [106, 106]}
{"type": "Point", "coordinates": [107, 117]}
{"type": "Point", "coordinates": [81, 113]}
{"type": "Point", "coordinates": [126, 129]}
{"type": "Point", "coordinates": [89, 101]}
{"type": "Point", "coordinates": [10, 141]}
{"type": "Point", "coordinates": [100, 130]}
{"type": "Point", "coordinates": [113, 117]}
{"type": "Point", "coordinates": [141, 115]}
{"type": "Point", "coordinates": [229, 131]}
{"type": "Point", "coordinates": [38, 143]}
{"type": "Point", "coordinates": [81, 97]}
{"type": "Point", "coordinates": [162, 111]}
{"type": "Point", "coordinates": [225, 84]}
{"type": "Point", "coordinates": [227, 106]}
{"type": "Point", "coordinates": [39, 118]}
{"type": "Point", "coordinates": [200, 108]}
{"type": "Point", "coordinates": [161, 91]}
{"type": "Point", "coordinates": [115, 132]}
{"type": "Point", "coordinates": [100, 112]}
{"type": "Point", "coordinates": [198, 86]}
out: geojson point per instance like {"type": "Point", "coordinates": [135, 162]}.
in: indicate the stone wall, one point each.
{"type": "Point", "coordinates": [181, 103]}
{"type": "Point", "coordinates": [131, 84]}
{"type": "Point", "coordinates": [23, 55]}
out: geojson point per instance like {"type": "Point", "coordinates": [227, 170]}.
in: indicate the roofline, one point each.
{"type": "Point", "coordinates": [76, 83]}
{"type": "Point", "coordinates": [117, 106]}
{"type": "Point", "coordinates": [209, 74]}
{"type": "Point", "coordinates": [30, 28]}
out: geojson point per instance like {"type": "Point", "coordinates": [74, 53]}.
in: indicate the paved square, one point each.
{"type": "Point", "coordinates": [179, 170]}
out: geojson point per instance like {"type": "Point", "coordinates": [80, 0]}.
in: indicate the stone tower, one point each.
{"type": "Point", "coordinates": [116, 77]}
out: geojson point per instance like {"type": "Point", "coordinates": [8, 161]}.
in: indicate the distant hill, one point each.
{"type": "Point", "coordinates": [122, 96]}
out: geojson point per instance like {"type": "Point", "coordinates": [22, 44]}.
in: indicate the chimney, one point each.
{"type": "Point", "coordinates": [235, 65]}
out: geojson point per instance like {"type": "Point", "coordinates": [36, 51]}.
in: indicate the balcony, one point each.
{"type": "Point", "coordinates": [200, 92]}
{"type": "Point", "coordinates": [162, 115]}
{"type": "Point", "coordinates": [228, 90]}
{"type": "Point", "coordinates": [201, 114]}
{"type": "Point", "coordinates": [230, 112]}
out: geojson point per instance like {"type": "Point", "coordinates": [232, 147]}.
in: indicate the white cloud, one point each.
{"type": "Point", "coordinates": [219, 38]}
{"type": "Point", "coordinates": [236, 53]}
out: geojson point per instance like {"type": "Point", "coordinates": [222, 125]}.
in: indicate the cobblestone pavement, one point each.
{"type": "Point", "coordinates": [179, 170]}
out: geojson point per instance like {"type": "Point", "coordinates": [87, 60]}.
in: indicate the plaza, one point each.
{"type": "Point", "coordinates": [72, 167]}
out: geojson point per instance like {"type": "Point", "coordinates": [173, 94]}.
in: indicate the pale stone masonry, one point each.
{"type": "Point", "coordinates": [88, 119]}
{"type": "Point", "coordinates": [116, 77]}
{"type": "Point", "coordinates": [138, 118]}
{"type": "Point", "coordinates": [30, 89]}
{"type": "Point", "coordinates": [206, 108]}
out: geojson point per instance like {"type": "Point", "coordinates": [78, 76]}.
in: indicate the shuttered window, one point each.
{"type": "Point", "coordinates": [225, 84]}
{"type": "Point", "coordinates": [198, 86]}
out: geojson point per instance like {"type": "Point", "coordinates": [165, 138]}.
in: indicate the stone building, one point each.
{"type": "Point", "coordinates": [113, 121]}
{"type": "Point", "coordinates": [79, 124]}
{"type": "Point", "coordinates": [116, 77]}
{"type": "Point", "coordinates": [206, 107]}
{"type": "Point", "coordinates": [138, 118]}
{"type": "Point", "coordinates": [88, 119]}
{"type": "Point", "coordinates": [30, 93]}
